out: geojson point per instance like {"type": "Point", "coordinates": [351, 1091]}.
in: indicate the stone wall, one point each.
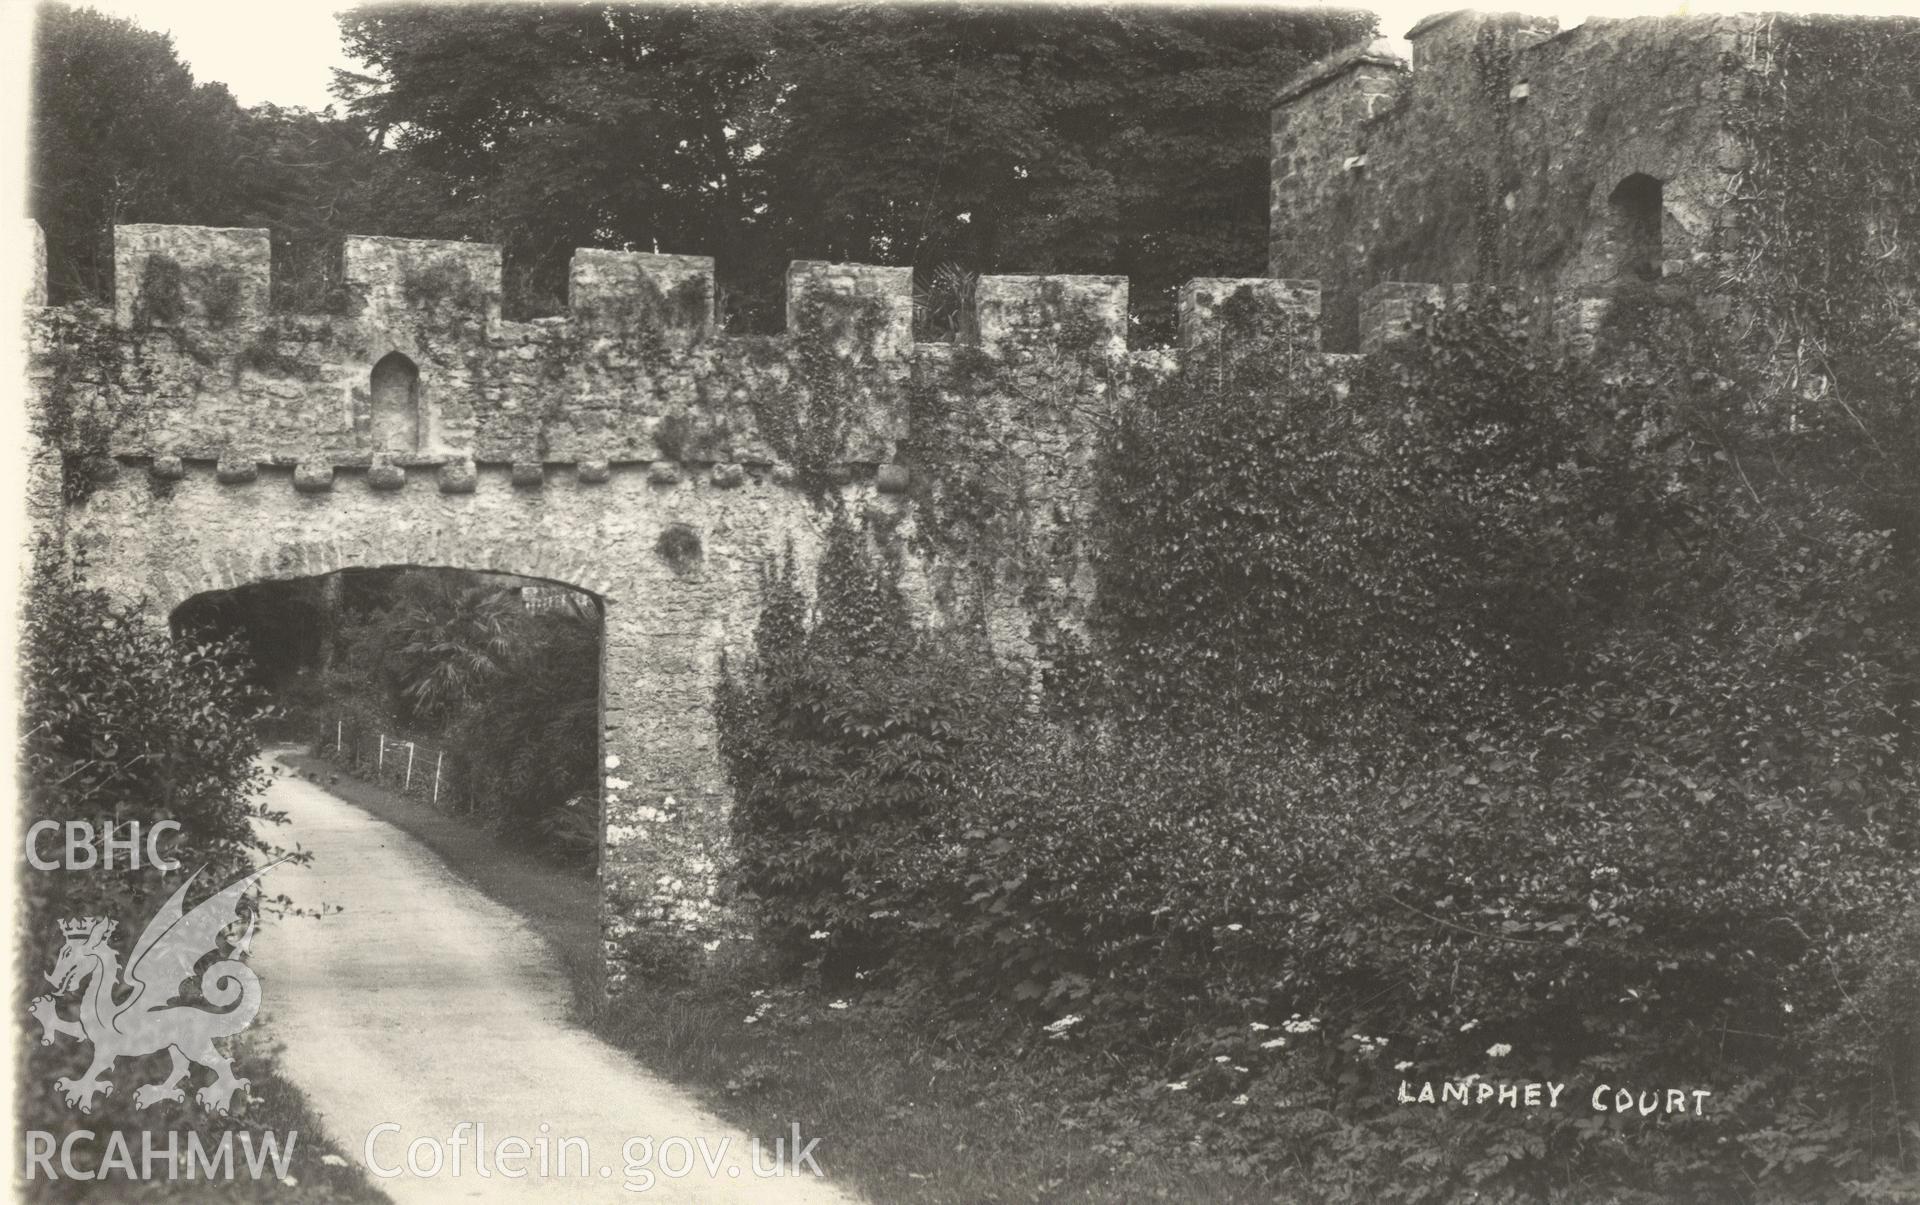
{"type": "Point", "coordinates": [203, 441]}
{"type": "Point", "coordinates": [1497, 154]}
{"type": "Point", "coordinates": [191, 439]}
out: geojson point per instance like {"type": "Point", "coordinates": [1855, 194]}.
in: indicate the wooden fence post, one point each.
{"type": "Point", "coordinates": [408, 786]}
{"type": "Point", "coordinates": [380, 767]}
{"type": "Point", "coordinates": [440, 758]}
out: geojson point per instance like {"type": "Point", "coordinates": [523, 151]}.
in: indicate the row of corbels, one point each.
{"type": "Point", "coordinates": [461, 475]}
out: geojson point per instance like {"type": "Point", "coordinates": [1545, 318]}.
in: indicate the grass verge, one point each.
{"type": "Point", "coordinates": [315, 1170]}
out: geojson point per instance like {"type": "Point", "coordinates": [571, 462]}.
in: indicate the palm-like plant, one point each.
{"type": "Point", "coordinates": [454, 638]}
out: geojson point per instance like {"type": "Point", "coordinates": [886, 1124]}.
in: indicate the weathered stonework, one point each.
{"type": "Point", "coordinates": [1074, 312]}
{"type": "Point", "coordinates": [1388, 311]}
{"type": "Point", "coordinates": [458, 477]}
{"type": "Point", "coordinates": [36, 265]}
{"type": "Point", "coordinates": [1509, 152]}
{"type": "Point", "coordinates": [221, 275]}
{"type": "Point", "coordinates": [1296, 302]}
{"type": "Point", "coordinates": [233, 470]}
{"type": "Point", "coordinates": [294, 445]}
{"type": "Point", "coordinates": [384, 474]}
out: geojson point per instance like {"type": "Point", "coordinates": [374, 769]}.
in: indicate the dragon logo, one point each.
{"type": "Point", "coordinates": [144, 1017]}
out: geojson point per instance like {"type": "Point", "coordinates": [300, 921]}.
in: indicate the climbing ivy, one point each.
{"type": "Point", "coordinates": [95, 376]}
{"type": "Point", "coordinates": [997, 441]}
{"type": "Point", "coordinates": [808, 418]}
{"type": "Point", "coordinates": [1828, 202]}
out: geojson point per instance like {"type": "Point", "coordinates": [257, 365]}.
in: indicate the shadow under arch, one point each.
{"type": "Point", "coordinates": [513, 736]}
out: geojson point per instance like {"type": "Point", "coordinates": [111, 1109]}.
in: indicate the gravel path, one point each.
{"type": "Point", "coordinates": [423, 1005]}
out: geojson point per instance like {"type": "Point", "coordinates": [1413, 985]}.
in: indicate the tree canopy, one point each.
{"type": "Point", "coordinates": [123, 133]}
{"type": "Point", "coordinates": [1114, 139]}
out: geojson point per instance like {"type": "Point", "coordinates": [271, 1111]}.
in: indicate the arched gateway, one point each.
{"type": "Point", "coordinates": [625, 449]}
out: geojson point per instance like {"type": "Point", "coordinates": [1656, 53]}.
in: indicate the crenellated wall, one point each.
{"type": "Point", "coordinates": [193, 440]}
{"type": "Point", "coordinates": [204, 441]}
{"type": "Point", "coordinates": [1562, 164]}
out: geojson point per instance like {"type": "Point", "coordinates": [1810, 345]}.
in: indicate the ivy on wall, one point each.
{"type": "Point", "coordinates": [95, 374]}
{"type": "Point", "coordinates": [999, 442]}
{"type": "Point", "coordinates": [1829, 264]}
{"type": "Point", "coordinates": [809, 417]}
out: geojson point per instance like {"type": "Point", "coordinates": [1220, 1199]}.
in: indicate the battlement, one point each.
{"type": "Point", "coordinates": [413, 365]}
{"type": "Point", "coordinates": [417, 369]}
{"type": "Point", "coordinates": [216, 280]}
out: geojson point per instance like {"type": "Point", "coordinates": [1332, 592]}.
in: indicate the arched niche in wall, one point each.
{"type": "Point", "coordinates": [1636, 212]}
{"type": "Point", "coordinates": [395, 425]}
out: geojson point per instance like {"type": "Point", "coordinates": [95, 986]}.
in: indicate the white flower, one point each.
{"type": "Point", "coordinates": [1235, 928]}
{"type": "Point", "coordinates": [1273, 1043]}
{"type": "Point", "coordinates": [1177, 1086]}
{"type": "Point", "coordinates": [1239, 1068]}
{"type": "Point", "coordinates": [750, 1020]}
{"type": "Point", "coordinates": [838, 1004]}
{"type": "Point", "coordinates": [617, 784]}
{"type": "Point", "coordinates": [711, 946]}
{"type": "Point", "coordinates": [1499, 1050]}
{"type": "Point", "coordinates": [613, 761]}
{"type": "Point", "coordinates": [1788, 1007]}
{"type": "Point", "coordinates": [333, 1160]}
{"type": "Point", "coordinates": [1222, 1058]}
{"type": "Point", "coordinates": [1403, 1064]}
{"type": "Point", "coordinates": [1257, 1027]}
{"type": "Point", "coordinates": [818, 935]}
{"type": "Point", "coordinates": [1240, 1099]}
{"type": "Point", "coordinates": [1469, 1027]}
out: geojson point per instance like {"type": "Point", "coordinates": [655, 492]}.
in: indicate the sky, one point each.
{"type": "Point", "coordinates": [283, 50]}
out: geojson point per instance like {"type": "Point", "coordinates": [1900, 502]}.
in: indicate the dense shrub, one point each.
{"type": "Point", "coordinates": [122, 723]}
{"type": "Point", "coordinates": [1480, 713]}
{"type": "Point", "coordinates": [839, 734]}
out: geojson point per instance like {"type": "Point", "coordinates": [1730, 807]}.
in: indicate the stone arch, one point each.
{"type": "Point", "coordinates": [1636, 210]}
{"type": "Point", "coordinates": [395, 420]}
{"type": "Point", "coordinates": [271, 559]}
{"type": "Point", "coordinates": [664, 799]}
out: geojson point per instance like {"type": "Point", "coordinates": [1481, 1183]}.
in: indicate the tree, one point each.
{"type": "Point", "coordinates": [547, 128]}
{"type": "Point", "coordinates": [1113, 139]}
{"type": "Point", "coordinates": [121, 133]}
{"type": "Point", "coordinates": [1119, 139]}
